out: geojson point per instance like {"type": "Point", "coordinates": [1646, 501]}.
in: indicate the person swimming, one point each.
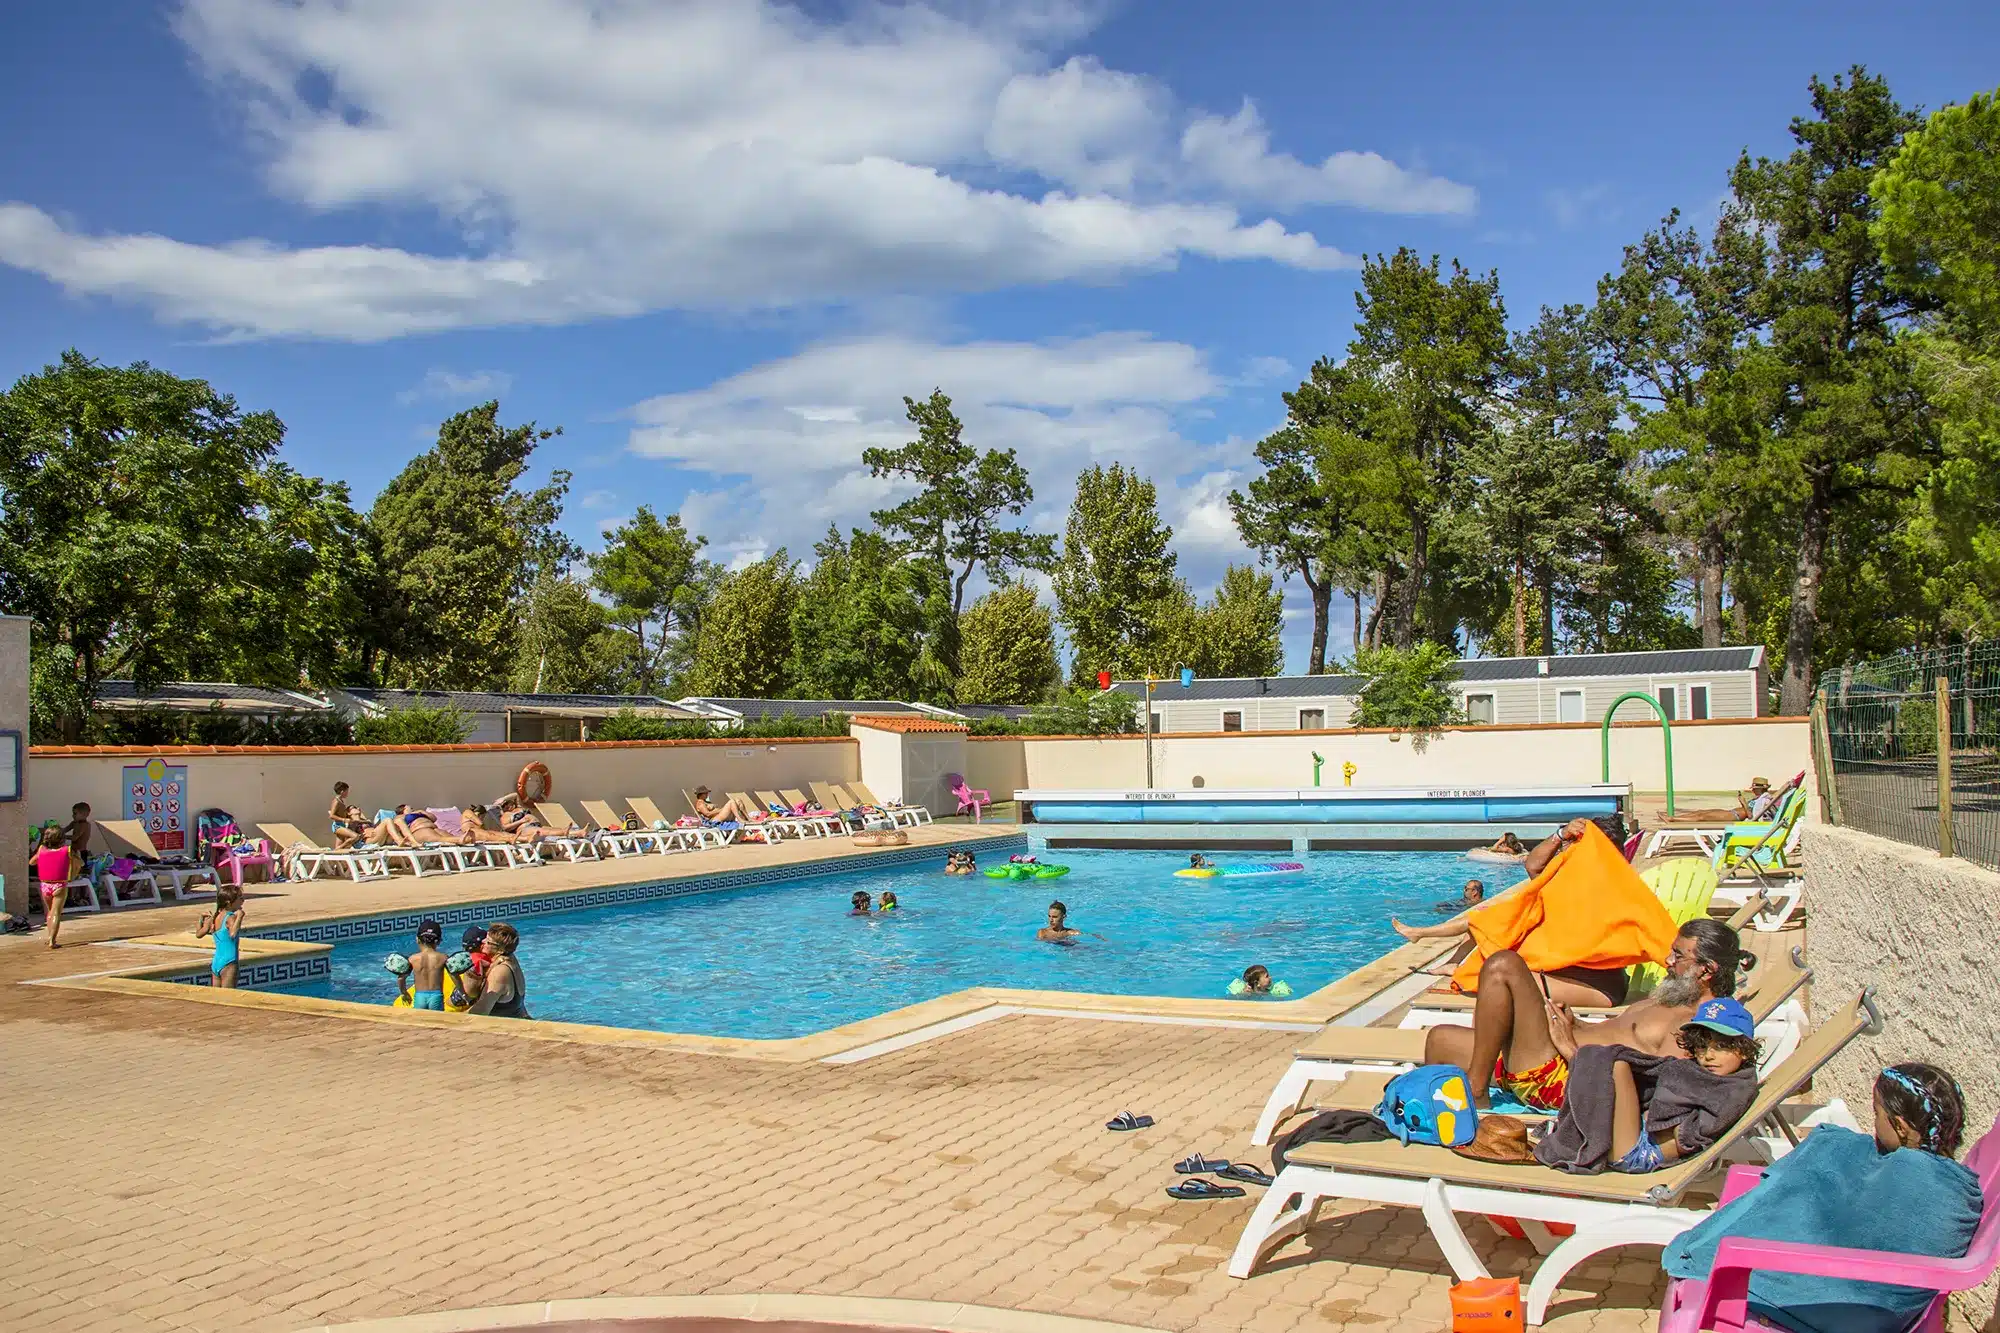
{"type": "Point", "coordinates": [1058, 930]}
{"type": "Point", "coordinates": [889, 903]}
{"type": "Point", "coordinates": [1256, 980]}
{"type": "Point", "coordinates": [1475, 894]}
{"type": "Point", "coordinates": [1199, 862]}
{"type": "Point", "coordinates": [860, 904]}
{"type": "Point", "coordinates": [959, 863]}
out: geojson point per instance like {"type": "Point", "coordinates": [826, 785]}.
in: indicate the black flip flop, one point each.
{"type": "Point", "coordinates": [1203, 1189]}
{"type": "Point", "coordinates": [1244, 1172]}
{"type": "Point", "coordinates": [1198, 1164]}
{"type": "Point", "coordinates": [1125, 1120]}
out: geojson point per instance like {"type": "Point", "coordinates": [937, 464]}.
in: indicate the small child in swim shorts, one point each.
{"type": "Point", "coordinates": [424, 983]}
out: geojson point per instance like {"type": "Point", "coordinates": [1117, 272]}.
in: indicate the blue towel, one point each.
{"type": "Point", "coordinates": [1836, 1188]}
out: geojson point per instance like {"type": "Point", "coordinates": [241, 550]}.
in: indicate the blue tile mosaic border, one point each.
{"type": "Point", "coordinates": [462, 914]}
{"type": "Point", "coordinates": [282, 972]}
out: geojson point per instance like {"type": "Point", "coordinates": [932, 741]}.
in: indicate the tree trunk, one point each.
{"type": "Point", "coordinates": [1547, 586]}
{"type": "Point", "coordinates": [1378, 605]}
{"type": "Point", "coordinates": [1357, 617]}
{"type": "Point", "coordinates": [1520, 610]}
{"type": "Point", "coordinates": [1802, 628]}
{"type": "Point", "coordinates": [1411, 592]}
{"type": "Point", "coordinates": [1708, 585]}
{"type": "Point", "coordinates": [1322, 600]}
{"type": "Point", "coordinates": [1739, 619]}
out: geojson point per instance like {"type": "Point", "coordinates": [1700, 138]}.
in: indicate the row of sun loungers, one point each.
{"type": "Point", "coordinates": [602, 833]}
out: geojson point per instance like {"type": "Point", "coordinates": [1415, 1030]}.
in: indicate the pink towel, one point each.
{"type": "Point", "coordinates": [450, 822]}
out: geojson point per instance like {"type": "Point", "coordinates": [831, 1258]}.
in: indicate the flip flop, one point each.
{"type": "Point", "coordinates": [1198, 1164]}
{"type": "Point", "coordinates": [1244, 1172]}
{"type": "Point", "coordinates": [1202, 1189]}
{"type": "Point", "coordinates": [1125, 1120]}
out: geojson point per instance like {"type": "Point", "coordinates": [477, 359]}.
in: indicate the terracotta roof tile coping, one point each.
{"type": "Point", "coordinates": [905, 722]}
{"type": "Point", "coordinates": [107, 751]}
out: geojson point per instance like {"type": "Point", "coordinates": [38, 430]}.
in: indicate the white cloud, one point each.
{"type": "Point", "coordinates": [607, 159]}
{"type": "Point", "coordinates": [1572, 207]}
{"type": "Point", "coordinates": [786, 472]}
{"type": "Point", "coordinates": [1235, 154]}
{"type": "Point", "coordinates": [452, 386]}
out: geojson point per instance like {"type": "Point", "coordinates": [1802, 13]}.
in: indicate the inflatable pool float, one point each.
{"type": "Point", "coordinates": [1026, 870]}
{"type": "Point", "coordinates": [1245, 870]}
{"type": "Point", "coordinates": [1487, 854]}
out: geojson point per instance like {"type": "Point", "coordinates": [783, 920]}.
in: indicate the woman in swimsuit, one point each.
{"type": "Point", "coordinates": [349, 824]}
{"type": "Point", "coordinates": [505, 994]}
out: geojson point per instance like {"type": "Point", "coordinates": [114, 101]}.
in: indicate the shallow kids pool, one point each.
{"type": "Point", "coordinates": [786, 959]}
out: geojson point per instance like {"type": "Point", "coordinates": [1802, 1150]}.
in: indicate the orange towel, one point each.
{"type": "Point", "coordinates": [1588, 908]}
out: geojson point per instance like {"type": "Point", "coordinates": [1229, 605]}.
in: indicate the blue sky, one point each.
{"type": "Point", "coordinates": [716, 242]}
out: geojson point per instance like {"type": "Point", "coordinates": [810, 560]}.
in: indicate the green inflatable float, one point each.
{"type": "Point", "coordinates": [1026, 870]}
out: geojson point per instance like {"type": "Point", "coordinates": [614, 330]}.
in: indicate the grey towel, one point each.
{"type": "Point", "coordinates": [1678, 1095]}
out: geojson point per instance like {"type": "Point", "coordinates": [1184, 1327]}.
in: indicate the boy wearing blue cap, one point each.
{"type": "Point", "coordinates": [1721, 1041]}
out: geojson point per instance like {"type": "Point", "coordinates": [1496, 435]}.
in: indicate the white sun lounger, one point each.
{"type": "Point", "coordinates": [898, 811]}
{"type": "Point", "coordinates": [577, 847]}
{"type": "Point", "coordinates": [1334, 1053]}
{"type": "Point", "coordinates": [1607, 1211]}
{"type": "Point", "coordinates": [306, 858]}
{"type": "Point", "coordinates": [700, 835]}
{"type": "Point", "coordinates": [133, 833]}
{"type": "Point", "coordinates": [824, 826]}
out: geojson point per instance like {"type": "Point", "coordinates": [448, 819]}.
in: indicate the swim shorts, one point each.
{"type": "Point", "coordinates": [1644, 1157]}
{"type": "Point", "coordinates": [1541, 1088]}
{"type": "Point", "coordinates": [427, 999]}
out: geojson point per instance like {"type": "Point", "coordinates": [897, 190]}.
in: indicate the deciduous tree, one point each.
{"type": "Point", "coordinates": [1116, 572]}
{"type": "Point", "coordinates": [743, 649]}
{"type": "Point", "coordinates": [652, 573]}
{"type": "Point", "coordinates": [1007, 648]}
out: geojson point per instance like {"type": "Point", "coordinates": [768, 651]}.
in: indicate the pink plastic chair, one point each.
{"type": "Point", "coordinates": [968, 798]}
{"type": "Point", "coordinates": [1720, 1301]}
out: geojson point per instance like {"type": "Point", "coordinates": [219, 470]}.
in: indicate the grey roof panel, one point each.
{"type": "Point", "coordinates": [808, 707]}
{"type": "Point", "coordinates": [1246, 687]}
{"type": "Point", "coordinates": [486, 701]}
{"type": "Point", "coordinates": [1670, 662]}
{"type": "Point", "coordinates": [186, 693]}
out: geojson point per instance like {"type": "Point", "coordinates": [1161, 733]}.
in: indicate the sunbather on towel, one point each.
{"type": "Point", "coordinates": [526, 826]}
{"type": "Point", "coordinates": [1900, 1193]}
{"type": "Point", "coordinates": [1525, 1040]}
{"type": "Point", "coordinates": [1634, 1112]}
{"type": "Point", "coordinates": [716, 814]}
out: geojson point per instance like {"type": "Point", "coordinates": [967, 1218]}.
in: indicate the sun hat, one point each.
{"type": "Point", "coordinates": [1725, 1016]}
{"type": "Point", "coordinates": [1760, 784]}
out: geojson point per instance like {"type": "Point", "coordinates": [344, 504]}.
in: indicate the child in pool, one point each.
{"type": "Point", "coordinates": [1256, 980]}
{"type": "Point", "coordinates": [860, 904]}
{"type": "Point", "coordinates": [959, 863]}
{"type": "Point", "coordinates": [56, 864]}
{"type": "Point", "coordinates": [225, 923]}
{"type": "Point", "coordinates": [888, 903]}
{"type": "Point", "coordinates": [424, 983]}
{"type": "Point", "coordinates": [1197, 861]}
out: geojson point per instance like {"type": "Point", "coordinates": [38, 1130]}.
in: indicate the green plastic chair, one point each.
{"type": "Point", "coordinates": [1685, 886]}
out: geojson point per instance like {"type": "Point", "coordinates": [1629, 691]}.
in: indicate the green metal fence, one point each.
{"type": "Point", "coordinates": [1895, 752]}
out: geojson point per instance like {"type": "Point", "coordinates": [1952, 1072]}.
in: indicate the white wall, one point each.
{"type": "Point", "coordinates": [1713, 757]}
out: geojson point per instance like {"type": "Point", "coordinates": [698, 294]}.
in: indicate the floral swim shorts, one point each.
{"type": "Point", "coordinates": [1541, 1088]}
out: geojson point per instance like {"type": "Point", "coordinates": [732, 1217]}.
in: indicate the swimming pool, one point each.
{"type": "Point", "coordinates": [786, 960]}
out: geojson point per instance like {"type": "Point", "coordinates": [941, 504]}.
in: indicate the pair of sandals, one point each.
{"type": "Point", "coordinates": [1197, 1188]}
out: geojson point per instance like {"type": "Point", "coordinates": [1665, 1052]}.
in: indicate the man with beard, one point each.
{"type": "Point", "coordinates": [1523, 1040]}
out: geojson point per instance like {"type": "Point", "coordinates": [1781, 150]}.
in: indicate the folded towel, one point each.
{"type": "Point", "coordinates": [1837, 1188]}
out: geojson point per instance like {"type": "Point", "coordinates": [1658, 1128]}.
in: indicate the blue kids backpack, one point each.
{"type": "Point", "coordinates": [1430, 1104]}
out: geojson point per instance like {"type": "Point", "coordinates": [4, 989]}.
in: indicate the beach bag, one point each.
{"type": "Point", "coordinates": [1430, 1105]}
{"type": "Point", "coordinates": [1487, 1305]}
{"type": "Point", "coordinates": [632, 824]}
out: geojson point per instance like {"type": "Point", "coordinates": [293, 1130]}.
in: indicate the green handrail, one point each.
{"type": "Point", "coordinates": [1666, 735]}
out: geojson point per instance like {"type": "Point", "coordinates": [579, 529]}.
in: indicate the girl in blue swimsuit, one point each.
{"type": "Point", "coordinates": [225, 923]}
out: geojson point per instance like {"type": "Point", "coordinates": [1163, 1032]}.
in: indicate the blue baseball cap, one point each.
{"type": "Point", "coordinates": [1725, 1016]}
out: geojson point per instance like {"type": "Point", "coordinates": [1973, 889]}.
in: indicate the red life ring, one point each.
{"type": "Point", "coordinates": [535, 778]}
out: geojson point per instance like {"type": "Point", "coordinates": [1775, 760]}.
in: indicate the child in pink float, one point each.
{"type": "Point", "coordinates": [56, 864]}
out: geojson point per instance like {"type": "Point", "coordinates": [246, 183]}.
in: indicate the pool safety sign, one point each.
{"type": "Point", "coordinates": [156, 796]}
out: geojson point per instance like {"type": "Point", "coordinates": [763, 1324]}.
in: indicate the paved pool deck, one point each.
{"type": "Point", "coordinates": [215, 1166]}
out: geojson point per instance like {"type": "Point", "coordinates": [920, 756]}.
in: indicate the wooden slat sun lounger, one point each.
{"type": "Point", "coordinates": [1336, 1052]}
{"type": "Point", "coordinates": [1607, 1211]}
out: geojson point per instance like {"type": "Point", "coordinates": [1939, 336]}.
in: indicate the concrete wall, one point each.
{"type": "Point", "coordinates": [1923, 930]}
{"type": "Point", "coordinates": [295, 784]}
{"type": "Point", "coordinates": [1711, 757]}
{"type": "Point", "coordinates": [15, 816]}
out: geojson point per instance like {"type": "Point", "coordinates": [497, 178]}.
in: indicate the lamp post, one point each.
{"type": "Point", "coordinates": [1150, 682]}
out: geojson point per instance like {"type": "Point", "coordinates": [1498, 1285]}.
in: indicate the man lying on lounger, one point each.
{"type": "Point", "coordinates": [1565, 938]}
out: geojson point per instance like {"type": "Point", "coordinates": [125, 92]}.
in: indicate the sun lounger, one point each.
{"type": "Point", "coordinates": [132, 834]}
{"type": "Point", "coordinates": [784, 825]}
{"type": "Point", "coordinates": [121, 844]}
{"type": "Point", "coordinates": [305, 859]}
{"type": "Point", "coordinates": [700, 835]}
{"type": "Point", "coordinates": [838, 799]}
{"type": "Point", "coordinates": [1606, 1211]}
{"type": "Point", "coordinates": [1336, 1052]}
{"type": "Point", "coordinates": [575, 846]}
{"type": "Point", "coordinates": [916, 814]}
{"type": "Point", "coordinates": [624, 841]}
{"type": "Point", "coordinates": [795, 798]}
{"type": "Point", "coordinates": [824, 826]}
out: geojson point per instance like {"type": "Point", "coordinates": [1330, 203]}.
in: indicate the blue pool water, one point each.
{"type": "Point", "coordinates": [784, 960]}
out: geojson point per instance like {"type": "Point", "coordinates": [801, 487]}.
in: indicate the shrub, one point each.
{"type": "Point", "coordinates": [628, 725]}
{"type": "Point", "coordinates": [415, 724]}
{"type": "Point", "coordinates": [1081, 712]}
{"type": "Point", "coordinates": [1407, 688]}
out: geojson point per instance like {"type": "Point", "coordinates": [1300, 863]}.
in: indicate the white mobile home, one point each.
{"type": "Point", "coordinates": [1690, 683]}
